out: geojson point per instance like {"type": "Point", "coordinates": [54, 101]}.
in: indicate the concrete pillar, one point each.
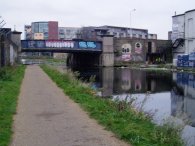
{"type": "Point", "coordinates": [16, 38]}
{"type": "Point", "coordinates": [107, 56]}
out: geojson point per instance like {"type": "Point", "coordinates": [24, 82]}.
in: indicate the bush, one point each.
{"type": "Point", "coordinates": [5, 74]}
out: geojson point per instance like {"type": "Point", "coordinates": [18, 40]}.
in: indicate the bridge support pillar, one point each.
{"type": "Point", "coordinates": [107, 56]}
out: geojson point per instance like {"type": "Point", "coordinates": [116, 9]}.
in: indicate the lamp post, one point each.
{"type": "Point", "coordinates": [133, 10]}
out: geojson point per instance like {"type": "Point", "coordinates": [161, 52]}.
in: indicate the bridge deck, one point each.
{"type": "Point", "coordinates": [66, 46]}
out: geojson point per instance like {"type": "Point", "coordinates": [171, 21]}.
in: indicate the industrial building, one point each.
{"type": "Point", "coordinates": [41, 30]}
{"type": "Point", "coordinates": [68, 33]}
{"type": "Point", "coordinates": [183, 34]}
{"type": "Point", "coordinates": [49, 30]}
{"type": "Point", "coordinates": [94, 33]}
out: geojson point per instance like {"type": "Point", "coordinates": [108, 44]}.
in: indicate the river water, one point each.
{"type": "Point", "coordinates": [169, 96]}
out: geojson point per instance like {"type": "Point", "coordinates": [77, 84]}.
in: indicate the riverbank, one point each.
{"type": "Point", "coordinates": [128, 124]}
{"type": "Point", "coordinates": [10, 81]}
{"type": "Point", "coordinates": [157, 67]}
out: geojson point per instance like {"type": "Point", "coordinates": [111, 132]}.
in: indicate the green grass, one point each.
{"type": "Point", "coordinates": [127, 124]}
{"type": "Point", "coordinates": [10, 81]}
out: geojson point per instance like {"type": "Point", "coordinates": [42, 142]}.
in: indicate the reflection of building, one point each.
{"type": "Point", "coordinates": [183, 33]}
{"type": "Point", "coordinates": [136, 81]}
{"type": "Point", "coordinates": [183, 96]}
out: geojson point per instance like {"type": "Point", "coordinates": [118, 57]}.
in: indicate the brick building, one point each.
{"type": "Point", "coordinates": [142, 50]}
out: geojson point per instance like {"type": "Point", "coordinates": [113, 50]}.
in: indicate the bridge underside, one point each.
{"type": "Point", "coordinates": [83, 59]}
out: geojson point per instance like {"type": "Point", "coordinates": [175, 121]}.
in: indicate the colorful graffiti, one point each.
{"type": "Point", "coordinates": [126, 52]}
{"type": "Point", "coordinates": [87, 45]}
{"type": "Point", "coordinates": [132, 54]}
{"type": "Point", "coordinates": [138, 48]}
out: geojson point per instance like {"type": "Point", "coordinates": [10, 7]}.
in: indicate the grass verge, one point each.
{"type": "Point", "coordinates": [128, 124]}
{"type": "Point", "coordinates": [10, 81]}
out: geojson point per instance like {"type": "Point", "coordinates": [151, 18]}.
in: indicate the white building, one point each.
{"type": "Point", "coordinates": [68, 33]}
{"type": "Point", "coordinates": [190, 31]}
{"type": "Point", "coordinates": [129, 32]}
{"type": "Point", "coordinates": [183, 33]}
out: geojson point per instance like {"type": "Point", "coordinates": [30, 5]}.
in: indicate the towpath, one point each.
{"type": "Point", "coordinates": [47, 117]}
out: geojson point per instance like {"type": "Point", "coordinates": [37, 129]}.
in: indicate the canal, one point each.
{"type": "Point", "coordinates": [166, 96]}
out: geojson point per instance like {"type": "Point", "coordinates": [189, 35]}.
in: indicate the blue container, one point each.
{"type": "Point", "coordinates": [179, 64]}
{"type": "Point", "coordinates": [192, 56]}
{"type": "Point", "coordinates": [185, 63]}
{"type": "Point", "coordinates": [179, 57]}
{"type": "Point", "coordinates": [185, 58]}
{"type": "Point", "coordinates": [192, 64]}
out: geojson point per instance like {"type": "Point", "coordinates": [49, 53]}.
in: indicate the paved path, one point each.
{"type": "Point", "coordinates": [46, 117]}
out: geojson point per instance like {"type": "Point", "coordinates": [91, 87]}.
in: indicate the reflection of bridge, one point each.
{"type": "Point", "coordinates": [81, 53]}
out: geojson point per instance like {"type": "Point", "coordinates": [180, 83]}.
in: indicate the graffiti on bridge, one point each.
{"type": "Point", "coordinates": [64, 44]}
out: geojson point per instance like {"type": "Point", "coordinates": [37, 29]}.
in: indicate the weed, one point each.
{"type": "Point", "coordinates": [5, 74]}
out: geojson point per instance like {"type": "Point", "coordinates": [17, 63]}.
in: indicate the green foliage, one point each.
{"type": "Point", "coordinates": [127, 123]}
{"type": "Point", "coordinates": [5, 74]}
{"type": "Point", "coordinates": [10, 82]}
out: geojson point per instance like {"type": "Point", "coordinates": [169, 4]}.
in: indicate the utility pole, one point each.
{"type": "Point", "coordinates": [133, 10]}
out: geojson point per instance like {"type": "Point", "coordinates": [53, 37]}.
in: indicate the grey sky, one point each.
{"type": "Point", "coordinates": [154, 15]}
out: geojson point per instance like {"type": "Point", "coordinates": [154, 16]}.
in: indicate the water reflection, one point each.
{"type": "Point", "coordinates": [171, 94]}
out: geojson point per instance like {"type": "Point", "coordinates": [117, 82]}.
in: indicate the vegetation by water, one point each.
{"type": "Point", "coordinates": [128, 124]}
{"type": "Point", "coordinates": [10, 81]}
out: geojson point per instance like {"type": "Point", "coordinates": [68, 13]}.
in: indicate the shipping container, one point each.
{"type": "Point", "coordinates": [185, 63]}
{"type": "Point", "coordinates": [192, 56]}
{"type": "Point", "coordinates": [191, 64]}
{"type": "Point", "coordinates": [179, 64]}
{"type": "Point", "coordinates": [185, 58]}
{"type": "Point", "coordinates": [179, 57]}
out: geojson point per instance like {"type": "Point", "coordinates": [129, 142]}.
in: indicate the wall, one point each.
{"type": "Point", "coordinates": [68, 33]}
{"type": "Point", "coordinates": [177, 27]}
{"type": "Point", "coordinates": [53, 30]}
{"type": "Point", "coordinates": [9, 48]}
{"type": "Point", "coordinates": [141, 50]}
{"type": "Point", "coordinates": [190, 32]}
{"type": "Point", "coordinates": [133, 50]}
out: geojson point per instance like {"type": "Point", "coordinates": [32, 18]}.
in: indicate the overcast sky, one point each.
{"type": "Point", "coordinates": [154, 15]}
